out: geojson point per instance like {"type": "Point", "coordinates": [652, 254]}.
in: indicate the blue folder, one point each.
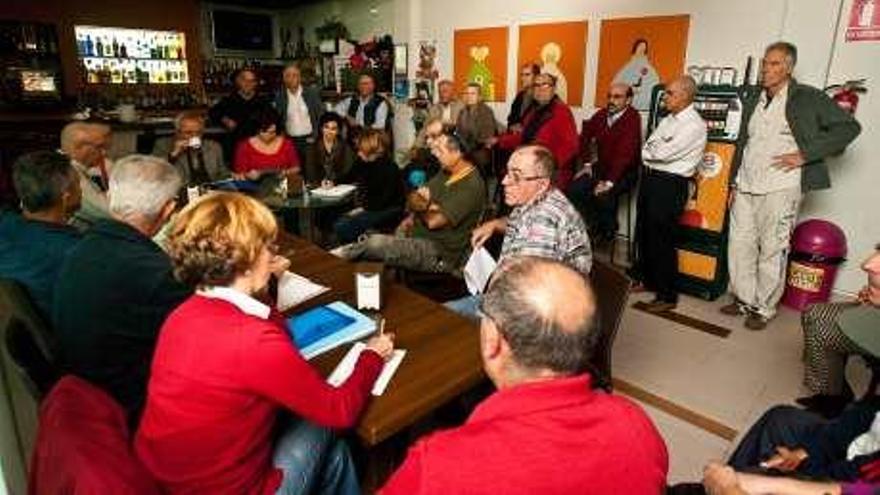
{"type": "Point", "coordinates": [321, 329]}
{"type": "Point", "coordinates": [234, 185]}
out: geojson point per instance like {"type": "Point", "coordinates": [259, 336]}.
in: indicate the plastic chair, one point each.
{"type": "Point", "coordinates": [612, 288]}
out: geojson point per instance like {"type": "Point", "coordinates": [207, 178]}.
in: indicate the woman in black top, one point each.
{"type": "Point", "coordinates": [380, 189]}
{"type": "Point", "coordinates": [329, 159]}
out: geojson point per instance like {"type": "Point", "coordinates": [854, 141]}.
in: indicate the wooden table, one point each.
{"type": "Point", "coordinates": [442, 360]}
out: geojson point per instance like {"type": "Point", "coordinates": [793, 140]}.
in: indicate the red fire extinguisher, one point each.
{"type": "Point", "coordinates": [847, 94]}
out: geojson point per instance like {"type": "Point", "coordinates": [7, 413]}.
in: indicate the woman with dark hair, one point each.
{"type": "Point", "coordinates": [266, 151]}
{"type": "Point", "coordinates": [380, 189]}
{"type": "Point", "coordinates": [639, 74]}
{"type": "Point", "coordinates": [225, 370]}
{"type": "Point", "coordinates": [328, 159]}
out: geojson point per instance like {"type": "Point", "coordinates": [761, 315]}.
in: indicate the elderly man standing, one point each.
{"type": "Point", "coordinates": [442, 213]}
{"type": "Point", "coordinates": [616, 134]}
{"type": "Point", "coordinates": [86, 144]}
{"type": "Point", "coordinates": [197, 159]}
{"type": "Point", "coordinates": [237, 112]}
{"type": "Point", "coordinates": [524, 99]}
{"type": "Point", "coordinates": [447, 107]}
{"type": "Point", "coordinates": [366, 109]}
{"type": "Point", "coordinates": [545, 430]}
{"type": "Point", "coordinates": [300, 109]}
{"type": "Point", "coordinates": [116, 286]}
{"type": "Point", "coordinates": [788, 130]}
{"type": "Point", "coordinates": [550, 123]}
{"type": "Point", "coordinates": [542, 223]}
{"type": "Point", "coordinates": [671, 155]}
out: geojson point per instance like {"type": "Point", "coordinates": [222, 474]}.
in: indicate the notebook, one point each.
{"type": "Point", "coordinates": [346, 367]}
{"type": "Point", "coordinates": [294, 289]}
{"type": "Point", "coordinates": [337, 191]}
{"type": "Point", "coordinates": [324, 328]}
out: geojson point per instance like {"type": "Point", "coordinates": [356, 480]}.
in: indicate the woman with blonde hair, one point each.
{"type": "Point", "coordinates": [225, 366]}
{"type": "Point", "coordinates": [380, 189]}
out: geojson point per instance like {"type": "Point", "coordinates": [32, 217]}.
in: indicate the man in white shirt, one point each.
{"type": "Point", "coordinates": [86, 145]}
{"type": "Point", "coordinates": [671, 155]}
{"type": "Point", "coordinates": [448, 106]}
{"type": "Point", "coordinates": [300, 109]}
{"type": "Point", "coordinates": [366, 109]}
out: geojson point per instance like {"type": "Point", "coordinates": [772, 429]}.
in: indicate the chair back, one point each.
{"type": "Point", "coordinates": [612, 288]}
{"type": "Point", "coordinates": [28, 346]}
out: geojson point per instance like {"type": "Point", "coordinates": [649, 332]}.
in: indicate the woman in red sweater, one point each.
{"type": "Point", "coordinates": [225, 367]}
{"type": "Point", "coordinates": [266, 151]}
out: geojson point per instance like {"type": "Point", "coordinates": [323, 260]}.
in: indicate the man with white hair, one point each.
{"type": "Point", "coordinates": [86, 144]}
{"type": "Point", "coordinates": [199, 160]}
{"type": "Point", "coordinates": [116, 286]}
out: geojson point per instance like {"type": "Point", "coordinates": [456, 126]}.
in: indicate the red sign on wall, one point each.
{"type": "Point", "coordinates": [864, 21]}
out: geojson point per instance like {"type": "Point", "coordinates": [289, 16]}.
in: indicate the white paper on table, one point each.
{"type": "Point", "coordinates": [294, 289]}
{"type": "Point", "coordinates": [345, 368]}
{"type": "Point", "coordinates": [478, 269]}
{"type": "Point", "coordinates": [337, 191]}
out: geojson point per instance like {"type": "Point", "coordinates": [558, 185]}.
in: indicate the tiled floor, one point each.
{"type": "Point", "coordinates": [731, 380]}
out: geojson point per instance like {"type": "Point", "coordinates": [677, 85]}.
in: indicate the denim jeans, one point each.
{"type": "Point", "coordinates": [467, 306]}
{"type": "Point", "coordinates": [313, 460]}
{"type": "Point", "coordinates": [349, 228]}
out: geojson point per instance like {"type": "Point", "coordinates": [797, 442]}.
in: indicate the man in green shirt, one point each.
{"type": "Point", "coordinates": [435, 235]}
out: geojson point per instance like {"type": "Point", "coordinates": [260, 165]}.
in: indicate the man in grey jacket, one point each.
{"type": "Point", "coordinates": [788, 129]}
{"type": "Point", "coordinates": [197, 159]}
{"type": "Point", "coordinates": [300, 109]}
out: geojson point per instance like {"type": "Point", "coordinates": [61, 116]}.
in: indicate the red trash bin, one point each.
{"type": "Point", "coordinates": [817, 250]}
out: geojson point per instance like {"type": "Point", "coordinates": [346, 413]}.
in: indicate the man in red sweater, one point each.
{"type": "Point", "coordinates": [545, 430]}
{"type": "Point", "coordinates": [550, 123]}
{"type": "Point", "coordinates": [611, 143]}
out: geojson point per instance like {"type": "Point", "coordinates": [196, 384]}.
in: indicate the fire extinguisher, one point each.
{"type": "Point", "coordinates": [846, 95]}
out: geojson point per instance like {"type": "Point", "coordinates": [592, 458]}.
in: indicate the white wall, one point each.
{"type": "Point", "coordinates": [852, 202]}
{"type": "Point", "coordinates": [721, 34]}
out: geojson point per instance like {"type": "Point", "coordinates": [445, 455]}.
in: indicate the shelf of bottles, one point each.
{"type": "Point", "coordinates": [131, 56]}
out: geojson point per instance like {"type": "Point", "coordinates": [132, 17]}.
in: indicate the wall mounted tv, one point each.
{"type": "Point", "coordinates": [244, 33]}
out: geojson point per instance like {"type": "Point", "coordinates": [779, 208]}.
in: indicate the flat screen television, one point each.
{"type": "Point", "coordinates": [237, 32]}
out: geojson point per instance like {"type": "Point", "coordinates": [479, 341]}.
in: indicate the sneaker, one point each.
{"type": "Point", "coordinates": [756, 322]}
{"type": "Point", "coordinates": [658, 306]}
{"type": "Point", "coordinates": [733, 309]}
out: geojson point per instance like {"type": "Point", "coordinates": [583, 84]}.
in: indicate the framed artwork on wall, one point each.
{"type": "Point", "coordinates": [642, 52]}
{"type": "Point", "coordinates": [481, 57]}
{"type": "Point", "coordinates": [560, 50]}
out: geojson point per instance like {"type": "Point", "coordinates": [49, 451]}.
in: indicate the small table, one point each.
{"type": "Point", "coordinates": [306, 209]}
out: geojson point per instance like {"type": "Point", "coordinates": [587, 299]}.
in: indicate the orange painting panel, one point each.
{"type": "Point", "coordinates": [663, 59]}
{"type": "Point", "coordinates": [481, 57]}
{"type": "Point", "coordinates": [560, 49]}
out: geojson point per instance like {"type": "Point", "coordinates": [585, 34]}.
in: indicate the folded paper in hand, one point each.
{"type": "Point", "coordinates": [294, 289]}
{"type": "Point", "coordinates": [337, 191]}
{"type": "Point", "coordinates": [478, 269]}
{"type": "Point", "coordinates": [346, 367]}
{"type": "Point", "coordinates": [324, 328]}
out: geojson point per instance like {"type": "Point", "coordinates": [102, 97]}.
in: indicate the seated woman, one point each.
{"type": "Point", "coordinates": [328, 159]}
{"type": "Point", "coordinates": [380, 189]}
{"type": "Point", "coordinates": [826, 346]}
{"type": "Point", "coordinates": [225, 367]}
{"type": "Point", "coordinates": [265, 152]}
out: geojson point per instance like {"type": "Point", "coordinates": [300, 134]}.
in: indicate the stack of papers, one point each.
{"type": "Point", "coordinates": [346, 367]}
{"type": "Point", "coordinates": [324, 328]}
{"type": "Point", "coordinates": [294, 289]}
{"type": "Point", "coordinates": [337, 191]}
{"type": "Point", "coordinates": [478, 270]}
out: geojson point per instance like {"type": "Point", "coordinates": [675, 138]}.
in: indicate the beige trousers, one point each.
{"type": "Point", "coordinates": [760, 229]}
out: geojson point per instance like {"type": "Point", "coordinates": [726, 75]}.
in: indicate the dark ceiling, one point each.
{"type": "Point", "coordinates": [265, 4]}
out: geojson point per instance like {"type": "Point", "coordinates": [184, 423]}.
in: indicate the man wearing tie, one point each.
{"type": "Point", "coordinates": [86, 145]}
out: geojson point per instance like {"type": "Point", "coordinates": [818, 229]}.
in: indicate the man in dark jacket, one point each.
{"type": "Point", "coordinates": [787, 131]}
{"type": "Point", "coordinates": [116, 287]}
{"type": "Point", "coordinates": [611, 143]}
{"type": "Point", "coordinates": [300, 109]}
{"type": "Point", "coordinates": [238, 112]}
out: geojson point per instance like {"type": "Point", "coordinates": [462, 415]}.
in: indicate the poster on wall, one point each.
{"type": "Point", "coordinates": [560, 49]}
{"type": "Point", "coordinates": [864, 21]}
{"type": "Point", "coordinates": [481, 57]}
{"type": "Point", "coordinates": [641, 52]}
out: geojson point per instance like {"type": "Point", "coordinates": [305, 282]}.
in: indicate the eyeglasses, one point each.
{"type": "Point", "coordinates": [516, 177]}
{"type": "Point", "coordinates": [273, 248]}
{"type": "Point", "coordinates": [544, 85]}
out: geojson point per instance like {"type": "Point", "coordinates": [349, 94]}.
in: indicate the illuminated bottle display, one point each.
{"type": "Point", "coordinates": [131, 56]}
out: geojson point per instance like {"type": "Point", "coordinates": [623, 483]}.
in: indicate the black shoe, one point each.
{"type": "Point", "coordinates": [659, 306]}
{"type": "Point", "coordinates": [828, 406]}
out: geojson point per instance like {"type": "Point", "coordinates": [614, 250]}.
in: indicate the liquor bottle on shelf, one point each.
{"type": "Point", "coordinates": [108, 47]}
{"type": "Point", "coordinates": [115, 47]}
{"type": "Point", "coordinates": [99, 47]}
{"type": "Point", "coordinates": [123, 51]}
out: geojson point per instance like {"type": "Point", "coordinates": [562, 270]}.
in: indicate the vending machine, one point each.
{"type": "Point", "coordinates": [702, 236]}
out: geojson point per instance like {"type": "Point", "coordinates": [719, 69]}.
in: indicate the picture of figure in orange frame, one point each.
{"type": "Point", "coordinates": [641, 52]}
{"type": "Point", "coordinates": [560, 50]}
{"type": "Point", "coordinates": [480, 56]}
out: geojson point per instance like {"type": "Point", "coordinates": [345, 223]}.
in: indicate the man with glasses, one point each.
{"type": "Point", "coordinates": [523, 101]}
{"type": "Point", "coordinates": [542, 223]}
{"type": "Point", "coordinates": [545, 430]}
{"type": "Point", "coordinates": [611, 144]}
{"type": "Point", "coordinates": [198, 160]}
{"type": "Point", "coordinates": [86, 145]}
{"type": "Point", "coordinates": [549, 123]}
{"type": "Point", "coordinates": [434, 235]}
{"type": "Point", "coordinates": [787, 131]}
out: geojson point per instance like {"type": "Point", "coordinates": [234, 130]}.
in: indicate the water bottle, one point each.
{"type": "Point", "coordinates": [306, 195]}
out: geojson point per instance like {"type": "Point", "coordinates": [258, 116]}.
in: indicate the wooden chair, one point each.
{"type": "Point", "coordinates": [612, 288]}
